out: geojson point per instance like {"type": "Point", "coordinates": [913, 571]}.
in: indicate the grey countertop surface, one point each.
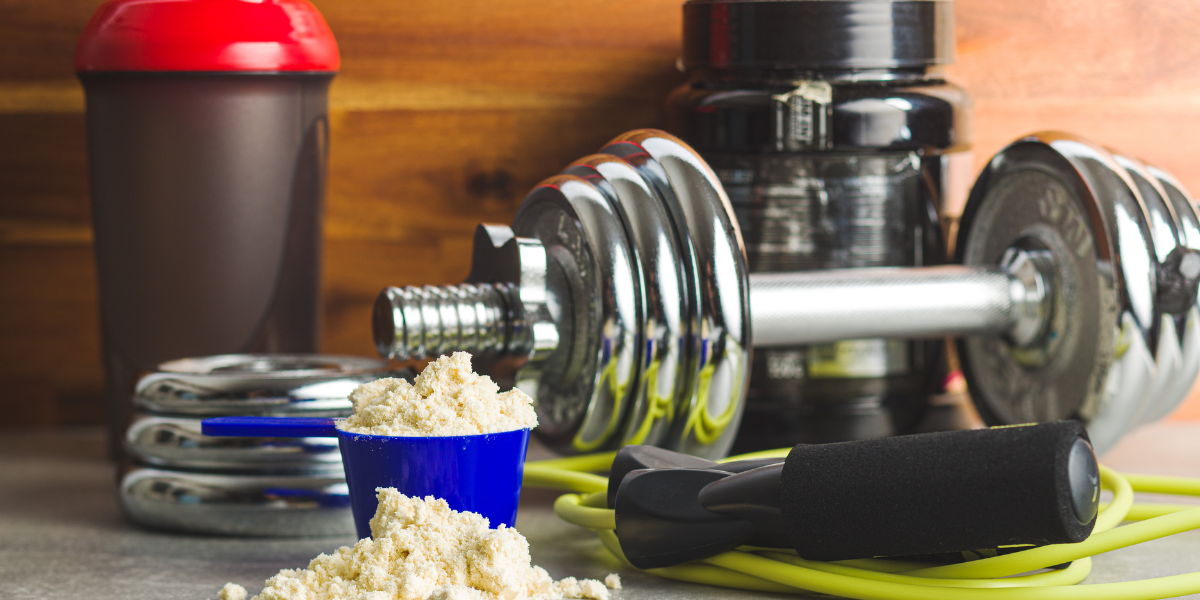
{"type": "Point", "coordinates": [63, 536]}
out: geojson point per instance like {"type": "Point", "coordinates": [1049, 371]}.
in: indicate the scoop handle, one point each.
{"type": "Point", "coordinates": [285, 427]}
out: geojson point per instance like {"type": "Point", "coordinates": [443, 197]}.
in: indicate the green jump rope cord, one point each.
{"type": "Point", "coordinates": [1019, 575]}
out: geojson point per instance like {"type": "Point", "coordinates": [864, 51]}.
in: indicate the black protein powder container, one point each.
{"type": "Point", "coordinates": [207, 126]}
{"type": "Point", "coordinates": [839, 143]}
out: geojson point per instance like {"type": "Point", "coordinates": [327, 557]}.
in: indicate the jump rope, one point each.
{"type": "Point", "coordinates": [1027, 575]}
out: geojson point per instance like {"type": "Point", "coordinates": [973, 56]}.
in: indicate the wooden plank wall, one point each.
{"type": "Point", "coordinates": [446, 112]}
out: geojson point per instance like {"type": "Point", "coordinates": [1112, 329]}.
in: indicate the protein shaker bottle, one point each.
{"type": "Point", "coordinates": [208, 135]}
{"type": "Point", "coordinates": [839, 141]}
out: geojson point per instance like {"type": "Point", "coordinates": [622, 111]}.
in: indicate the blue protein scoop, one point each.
{"type": "Point", "coordinates": [478, 473]}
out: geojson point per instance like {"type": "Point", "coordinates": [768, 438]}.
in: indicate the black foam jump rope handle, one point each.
{"type": "Point", "coordinates": [940, 492]}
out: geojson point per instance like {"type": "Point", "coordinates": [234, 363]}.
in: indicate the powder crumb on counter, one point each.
{"type": "Point", "coordinates": [420, 549]}
{"type": "Point", "coordinates": [613, 581]}
{"type": "Point", "coordinates": [232, 591]}
{"type": "Point", "coordinates": [447, 398]}
{"type": "Point", "coordinates": [582, 588]}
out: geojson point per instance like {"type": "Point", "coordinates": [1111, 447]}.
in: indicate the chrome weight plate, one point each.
{"type": "Point", "coordinates": [1065, 199]}
{"type": "Point", "coordinates": [177, 443]}
{"type": "Point", "coordinates": [243, 505]}
{"type": "Point", "coordinates": [642, 246]}
{"type": "Point", "coordinates": [258, 384]}
{"type": "Point", "coordinates": [271, 365]}
{"type": "Point", "coordinates": [708, 415]}
{"type": "Point", "coordinates": [662, 332]}
{"type": "Point", "coordinates": [1187, 323]}
{"type": "Point", "coordinates": [592, 286]}
{"type": "Point", "coordinates": [1168, 353]}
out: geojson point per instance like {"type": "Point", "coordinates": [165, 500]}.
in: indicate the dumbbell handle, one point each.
{"type": "Point", "coordinates": [789, 309]}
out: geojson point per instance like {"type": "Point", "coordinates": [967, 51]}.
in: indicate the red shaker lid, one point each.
{"type": "Point", "coordinates": [207, 35]}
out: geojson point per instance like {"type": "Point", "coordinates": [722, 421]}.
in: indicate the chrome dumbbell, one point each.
{"type": "Point", "coordinates": [620, 300]}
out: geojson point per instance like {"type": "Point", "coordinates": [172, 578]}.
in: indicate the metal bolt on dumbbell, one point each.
{"type": "Point", "coordinates": [620, 300]}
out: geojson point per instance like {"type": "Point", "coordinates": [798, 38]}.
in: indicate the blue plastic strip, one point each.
{"type": "Point", "coordinates": [288, 427]}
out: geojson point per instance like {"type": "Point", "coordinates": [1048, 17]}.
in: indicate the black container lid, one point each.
{"type": "Point", "coordinates": [817, 34]}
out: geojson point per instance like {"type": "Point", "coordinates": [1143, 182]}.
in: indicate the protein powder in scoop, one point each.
{"type": "Point", "coordinates": [446, 399]}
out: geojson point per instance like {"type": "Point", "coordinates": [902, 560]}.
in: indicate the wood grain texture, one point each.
{"type": "Point", "coordinates": [1120, 72]}
{"type": "Point", "coordinates": [446, 112]}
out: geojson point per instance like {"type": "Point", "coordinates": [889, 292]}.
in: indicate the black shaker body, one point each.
{"type": "Point", "coordinates": [207, 193]}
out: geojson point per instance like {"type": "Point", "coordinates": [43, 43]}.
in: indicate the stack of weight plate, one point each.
{"type": "Point", "coordinates": [175, 478]}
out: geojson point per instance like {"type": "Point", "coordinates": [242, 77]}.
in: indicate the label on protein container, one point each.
{"type": "Point", "coordinates": [858, 358]}
{"type": "Point", "coordinates": [807, 212]}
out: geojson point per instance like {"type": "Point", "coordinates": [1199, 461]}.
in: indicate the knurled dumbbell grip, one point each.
{"type": "Point", "coordinates": [789, 309]}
